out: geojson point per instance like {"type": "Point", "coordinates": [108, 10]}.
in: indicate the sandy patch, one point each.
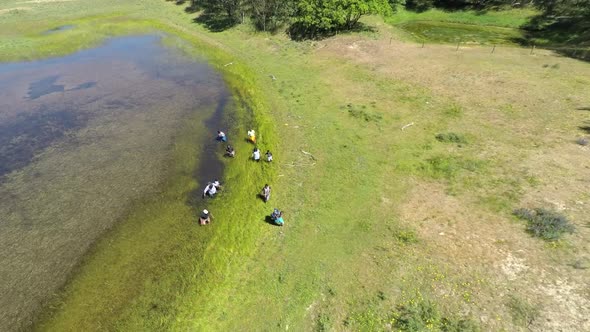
{"type": "Point", "coordinates": [8, 10]}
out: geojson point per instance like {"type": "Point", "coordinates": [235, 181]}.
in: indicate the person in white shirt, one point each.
{"type": "Point", "coordinates": [265, 194]}
{"type": "Point", "coordinates": [256, 154]}
{"type": "Point", "coordinates": [268, 156]}
{"type": "Point", "coordinates": [216, 184]}
{"type": "Point", "coordinates": [221, 136]}
{"type": "Point", "coordinates": [210, 190]}
{"type": "Point", "coordinates": [252, 136]}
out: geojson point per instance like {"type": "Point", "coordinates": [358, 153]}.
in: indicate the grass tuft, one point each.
{"type": "Point", "coordinates": [360, 112]}
{"type": "Point", "coordinates": [451, 138]}
{"type": "Point", "coordinates": [448, 167]}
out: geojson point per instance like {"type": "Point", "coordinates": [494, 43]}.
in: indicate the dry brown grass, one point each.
{"type": "Point", "coordinates": [523, 115]}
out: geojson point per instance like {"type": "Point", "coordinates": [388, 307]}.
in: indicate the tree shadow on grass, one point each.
{"type": "Point", "coordinates": [299, 32]}
{"type": "Point", "coordinates": [583, 108]}
{"type": "Point", "coordinates": [585, 129]}
{"type": "Point", "coordinates": [566, 36]}
{"type": "Point", "coordinates": [192, 9]}
{"type": "Point", "coordinates": [215, 21]}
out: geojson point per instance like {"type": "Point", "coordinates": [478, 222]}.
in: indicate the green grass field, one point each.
{"type": "Point", "coordinates": [386, 229]}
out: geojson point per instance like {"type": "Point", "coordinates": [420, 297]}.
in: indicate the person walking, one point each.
{"type": "Point", "coordinates": [265, 194]}
{"type": "Point", "coordinates": [256, 154]}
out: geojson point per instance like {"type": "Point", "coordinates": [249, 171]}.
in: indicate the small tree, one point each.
{"type": "Point", "coordinates": [320, 16]}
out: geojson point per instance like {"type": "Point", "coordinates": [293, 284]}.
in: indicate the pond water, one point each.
{"type": "Point", "coordinates": [82, 137]}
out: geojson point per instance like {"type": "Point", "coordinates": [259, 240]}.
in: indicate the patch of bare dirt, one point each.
{"type": "Point", "coordinates": [513, 263]}
{"type": "Point", "coordinates": [9, 10]}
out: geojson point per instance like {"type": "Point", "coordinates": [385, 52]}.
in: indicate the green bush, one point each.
{"type": "Point", "coordinates": [548, 225]}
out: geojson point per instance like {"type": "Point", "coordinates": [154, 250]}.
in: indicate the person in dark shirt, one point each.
{"type": "Point", "coordinates": [230, 152]}
{"type": "Point", "coordinates": [205, 218]}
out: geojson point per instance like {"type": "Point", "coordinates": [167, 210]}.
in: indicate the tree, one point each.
{"type": "Point", "coordinates": [354, 9]}
{"type": "Point", "coordinates": [321, 16]}
{"type": "Point", "coordinates": [270, 14]}
{"type": "Point", "coordinates": [570, 8]}
{"type": "Point", "coordinates": [232, 8]}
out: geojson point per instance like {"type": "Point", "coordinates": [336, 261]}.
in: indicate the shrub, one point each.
{"type": "Point", "coordinates": [548, 225]}
{"type": "Point", "coordinates": [451, 138]}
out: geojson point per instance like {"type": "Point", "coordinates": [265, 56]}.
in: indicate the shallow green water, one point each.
{"type": "Point", "coordinates": [82, 138]}
{"type": "Point", "coordinates": [446, 32]}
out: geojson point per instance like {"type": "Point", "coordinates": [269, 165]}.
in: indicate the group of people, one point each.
{"type": "Point", "coordinates": [213, 187]}
{"type": "Point", "coordinates": [256, 155]}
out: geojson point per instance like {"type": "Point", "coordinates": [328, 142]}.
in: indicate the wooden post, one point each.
{"type": "Point", "coordinates": [422, 44]}
{"type": "Point", "coordinates": [493, 49]}
{"type": "Point", "coordinates": [390, 40]}
{"type": "Point", "coordinates": [457, 46]}
{"type": "Point", "coordinates": [533, 49]}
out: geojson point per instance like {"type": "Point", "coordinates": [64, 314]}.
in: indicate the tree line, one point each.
{"type": "Point", "coordinates": [305, 18]}
{"type": "Point", "coordinates": [313, 18]}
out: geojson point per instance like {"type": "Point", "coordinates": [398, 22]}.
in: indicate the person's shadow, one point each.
{"type": "Point", "coordinates": [269, 220]}
{"type": "Point", "coordinates": [261, 196]}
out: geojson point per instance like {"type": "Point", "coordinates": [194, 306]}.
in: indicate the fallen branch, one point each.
{"type": "Point", "coordinates": [408, 125]}
{"type": "Point", "coordinates": [273, 77]}
{"type": "Point", "coordinates": [309, 154]}
{"type": "Point", "coordinates": [227, 64]}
